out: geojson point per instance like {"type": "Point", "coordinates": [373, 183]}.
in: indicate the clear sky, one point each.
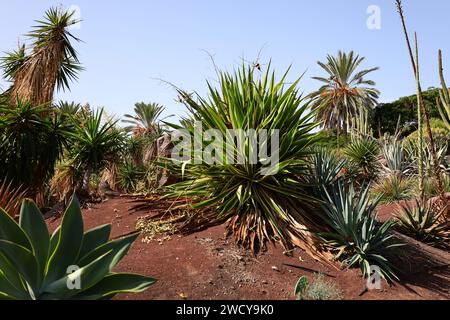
{"type": "Point", "coordinates": [127, 44]}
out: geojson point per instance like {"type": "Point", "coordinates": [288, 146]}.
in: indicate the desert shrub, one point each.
{"type": "Point", "coordinates": [430, 186]}
{"type": "Point", "coordinates": [34, 265]}
{"type": "Point", "coordinates": [362, 155]}
{"type": "Point", "coordinates": [65, 180]}
{"type": "Point", "coordinates": [356, 236]}
{"type": "Point", "coordinates": [259, 205]}
{"type": "Point", "coordinates": [422, 222]}
{"type": "Point", "coordinates": [393, 188]}
{"type": "Point", "coordinates": [11, 197]}
{"type": "Point", "coordinates": [319, 289]}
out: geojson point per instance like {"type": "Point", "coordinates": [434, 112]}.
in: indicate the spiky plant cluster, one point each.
{"type": "Point", "coordinates": [259, 207]}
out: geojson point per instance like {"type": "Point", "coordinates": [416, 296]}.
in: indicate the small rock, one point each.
{"type": "Point", "coordinates": [274, 268]}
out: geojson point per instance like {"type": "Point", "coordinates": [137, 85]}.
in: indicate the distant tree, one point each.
{"type": "Point", "coordinates": [345, 92]}
{"type": "Point", "coordinates": [386, 115]}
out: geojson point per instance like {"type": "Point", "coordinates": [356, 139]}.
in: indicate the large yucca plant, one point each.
{"type": "Point", "coordinates": [69, 264]}
{"type": "Point", "coordinates": [95, 143]}
{"type": "Point", "coordinates": [52, 63]}
{"type": "Point", "coordinates": [31, 142]}
{"type": "Point", "coordinates": [258, 206]}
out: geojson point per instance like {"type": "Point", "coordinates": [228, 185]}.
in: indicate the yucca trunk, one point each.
{"type": "Point", "coordinates": [35, 81]}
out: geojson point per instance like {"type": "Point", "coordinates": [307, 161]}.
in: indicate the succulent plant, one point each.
{"type": "Point", "coordinates": [69, 264]}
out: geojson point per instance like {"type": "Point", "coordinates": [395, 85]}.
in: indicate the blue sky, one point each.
{"type": "Point", "coordinates": [127, 45]}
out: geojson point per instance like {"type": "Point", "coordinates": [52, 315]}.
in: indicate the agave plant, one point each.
{"type": "Point", "coordinates": [363, 156]}
{"type": "Point", "coordinates": [259, 205]}
{"type": "Point", "coordinates": [69, 264]}
{"type": "Point", "coordinates": [325, 168]}
{"type": "Point", "coordinates": [395, 157]}
{"type": "Point", "coordinates": [422, 222]}
{"type": "Point", "coordinates": [357, 237]}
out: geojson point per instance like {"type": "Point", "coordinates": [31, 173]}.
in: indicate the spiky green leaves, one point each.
{"type": "Point", "coordinates": [34, 265]}
{"type": "Point", "coordinates": [356, 237]}
{"type": "Point", "coordinates": [260, 207]}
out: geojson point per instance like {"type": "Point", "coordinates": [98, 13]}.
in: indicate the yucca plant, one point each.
{"type": "Point", "coordinates": [422, 222]}
{"type": "Point", "coordinates": [31, 142]}
{"type": "Point", "coordinates": [52, 63]}
{"type": "Point", "coordinates": [95, 143]}
{"type": "Point", "coordinates": [357, 238]}
{"type": "Point", "coordinates": [259, 205]}
{"type": "Point", "coordinates": [69, 264]}
{"type": "Point", "coordinates": [394, 154]}
{"type": "Point", "coordinates": [394, 188]}
{"type": "Point", "coordinates": [129, 175]}
{"type": "Point", "coordinates": [363, 156]}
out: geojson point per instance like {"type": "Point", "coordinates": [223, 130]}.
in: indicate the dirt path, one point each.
{"type": "Point", "coordinates": [206, 265]}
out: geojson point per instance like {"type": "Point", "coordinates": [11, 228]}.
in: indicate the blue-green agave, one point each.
{"type": "Point", "coordinates": [69, 264]}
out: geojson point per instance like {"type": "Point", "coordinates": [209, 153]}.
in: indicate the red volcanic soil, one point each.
{"type": "Point", "coordinates": [207, 265]}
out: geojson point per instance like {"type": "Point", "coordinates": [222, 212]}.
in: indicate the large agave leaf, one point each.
{"type": "Point", "coordinates": [94, 238]}
{"type": "Point", "coordinates": [120, 245]}
{"type": "Point", "coordinates": [116, 283]}
{"type": "Point", "coordinates": [32, 222]}
{"type": "Point", "coordinates": [10, 230]}
{"type": "Point", "coordinates": [69, 242]}
{"type": "Point", "coordinates": [89, 274]}
{"type": "Point", "coordinates": [23, 261]}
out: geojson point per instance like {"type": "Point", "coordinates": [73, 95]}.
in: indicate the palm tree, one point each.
{"type": "Point", "coordinates": [52, 63]}
{"type": "Point", "coordinates": [146, 124]}
{"type": "Point", "coordinates": [145, 120]}
{"type": "Point", "coordinates": [345, 92]}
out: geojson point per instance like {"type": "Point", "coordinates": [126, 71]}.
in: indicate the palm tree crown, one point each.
{"type": "Point", "coordinates": [145, 120]}
{"type": "Point", "coordinates": [345, 94]}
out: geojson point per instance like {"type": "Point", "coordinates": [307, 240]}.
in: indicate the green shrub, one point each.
{"type": "Point", "coordinates": [394, 188]}
{"type": "Point", "coordinates": [319, 289]}
{"type": "Point", "coordinates": [356, 237]}
{"type": "Point", "coordinates": [35, 265]}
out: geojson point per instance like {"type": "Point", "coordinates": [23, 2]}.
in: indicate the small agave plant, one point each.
{"type": "Point", "coordinates": [69, 264]}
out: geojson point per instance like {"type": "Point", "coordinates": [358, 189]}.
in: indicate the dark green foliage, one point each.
{"type": "Point", "coordinates": [31, 141]}
{"type": "Point", "coordinates": [386, 115]}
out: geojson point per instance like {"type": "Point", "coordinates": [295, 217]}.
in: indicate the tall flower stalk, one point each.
{"type": "Point", "coordinates": [422, 108]}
